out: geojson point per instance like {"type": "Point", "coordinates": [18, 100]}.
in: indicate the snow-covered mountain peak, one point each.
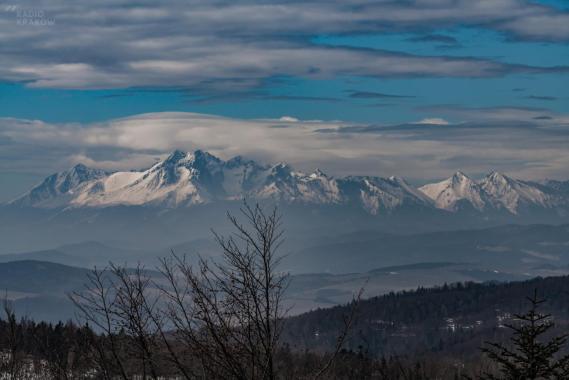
{"type": "Point", "coordinates": [184, 179]}
{"type": "Point", "coordinates": [396, 179]}
{"type": "Point", "coordinates": [176, 157]}
{"type": "Point", "coordinates": [459, 178]}
{"type": "Point", "coordinates": [205, 162]}
{"type": "Point", "coordinates": [513, 194]}
{"type": "Point", "coordinates": [60, 185]}
{"type": "Point", "coordinates": [281, 171]}
{"type": "Point", "coordinates": [196, 165]}
{"type": "Point", "coordinates": [400, 182]}
{"type": "Point", "coordinates": [197, 158]}
{"type": "Point", "coordinates": [455, 191]}
{"type": "Point", "coordinates": [318, 173]}
{"type": "Point", "coordinates": [202, 157]}
{"type": "Point", "coordinates": [80, 167]}
{"type": "Point", "coordinates": [498, 178]}
{"type": "Point", "coordinates": [83, 173]}
{"type": "Point", "coordinates": [238, 161]}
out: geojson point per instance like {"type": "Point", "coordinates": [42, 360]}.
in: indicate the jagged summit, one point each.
{"type": "Point", "coordinates": [498, 178]}
{"type": "Point", "coordinates": [176, 156]}
{"type": "Point", "coordinates": [184, 179]}
{"type": "Point", "coordinates": [513, 194]}
{"type": "Point", "coordinates": [197, 158]}
{"type": "Point", "coordinates": [456, 192]}
{"type": "Point", "coordinates": [318, 173]}
{"type": "Point", "coordinates": [459, 177]}
{"type": "Point", "coordinates": [238, 161]}
{"type": "Point", "coordinates": [59, 187]}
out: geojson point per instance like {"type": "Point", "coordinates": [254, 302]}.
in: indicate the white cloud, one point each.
{"type": "Point", "coordinates": [109, 44]}
{"type": "Point", "coordinates": [521, 146]}
{"type": "Point", "coordinates": [434, 121]}
{"type": "Point", "coordinates": [289, 119]}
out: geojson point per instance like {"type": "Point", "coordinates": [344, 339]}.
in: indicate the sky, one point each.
{"type": "Point", "coordinates": [416, 88]}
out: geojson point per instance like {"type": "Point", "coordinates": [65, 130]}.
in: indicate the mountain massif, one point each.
{"type": "Point", "coordinates": [189, 179]}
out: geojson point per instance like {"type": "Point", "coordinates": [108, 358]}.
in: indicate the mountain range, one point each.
{"type": "Point", "coordinates": [187, 179]}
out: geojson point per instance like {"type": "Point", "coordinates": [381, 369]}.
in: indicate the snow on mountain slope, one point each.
{"type": "Point", "coordinates": [454, 191]}
{"type": "Point", "coordinates": [186, 179]}
{"type": "Point", "coordinates": [181, 179]}
{"type": "Point", "coordinates": [283, 183]}
{"type": "Point", "coordinates": [495, 191]}
{"type": "Point", "coordinates": [512, 194]}
{"type": "Point", "coordinates": [58, 189]}
{"type": "Point", "coordinates": [377, 194]}
{"type": "Point", "coordinates": [243, 175]}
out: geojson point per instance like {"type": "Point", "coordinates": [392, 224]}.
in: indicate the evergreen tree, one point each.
{"type": "Point", "coordinates": [530, 358]}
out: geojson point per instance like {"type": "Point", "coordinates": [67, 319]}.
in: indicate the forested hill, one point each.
{"type": "Point", "coordinates": [452, 319]}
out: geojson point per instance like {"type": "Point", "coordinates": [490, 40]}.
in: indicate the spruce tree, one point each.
{"type": "Point", "coordinates": [529, 357]}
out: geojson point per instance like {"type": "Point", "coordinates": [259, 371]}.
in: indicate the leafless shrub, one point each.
{"type": "Point", "coordinates": [215, 319]}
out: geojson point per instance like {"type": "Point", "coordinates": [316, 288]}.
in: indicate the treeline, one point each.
{"type": "Point", "coordinates": [453, 320]}
{"type": "Point", "coordinates": [39, 350]}
{"type": "Point", "coordinates": [34, 351]}
{"type": "Point", "coordinates": [31, 350]}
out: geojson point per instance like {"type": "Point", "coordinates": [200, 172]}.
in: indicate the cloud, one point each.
{"type": "Point", "coordinates": [225, 46]}
{"type": "Point", "coordinates": [261, 95]}
{"type": "Point", "coordinates": [436, 38]}
{"type": "Point", "coordinates": [225, 67]}
{"type": "Point", "coordinates": [511, 114]}
{"type": "Point", "coordinates": [288, 119]}
{"type": "Point", "coordinates": [434, 121]}
{"type": "Point", "coordinates": [431, 148]}
{"type": "Point", "coordinates": [376, 95]}
{"type": "Point", "coordinates": [539, 27]}
{"type": "Point", "coordinates": [541, 97]}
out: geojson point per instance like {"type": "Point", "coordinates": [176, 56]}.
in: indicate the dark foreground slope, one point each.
{"type": "Point", "coordinates": [435, 331]}
{"type": "Point", "coordinates": [454, 320]}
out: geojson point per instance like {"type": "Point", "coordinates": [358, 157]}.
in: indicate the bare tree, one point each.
{"type": "Point", "coordinates": [134, 312]}
{"type": "Point", "coordinates": [97, 305]}
{"type": "Point", "coordinates": [13, 363]}
{"type": "Point", "coordinates": [342, 336]}
{"type": "Point", "coordinates": [217, 319]}
{"type": "Point", "coordinates": [229, 312]}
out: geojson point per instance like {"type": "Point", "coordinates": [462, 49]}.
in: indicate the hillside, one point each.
{"type": "Point", "coordinates": [451, 319]}
{"type": "Point", "coordinates": [40, 277]}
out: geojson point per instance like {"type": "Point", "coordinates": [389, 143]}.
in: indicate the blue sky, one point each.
{"type": "Point", "coordinates": [353, 62]}
{"type": "Point", "coordinates": [329, 98]}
